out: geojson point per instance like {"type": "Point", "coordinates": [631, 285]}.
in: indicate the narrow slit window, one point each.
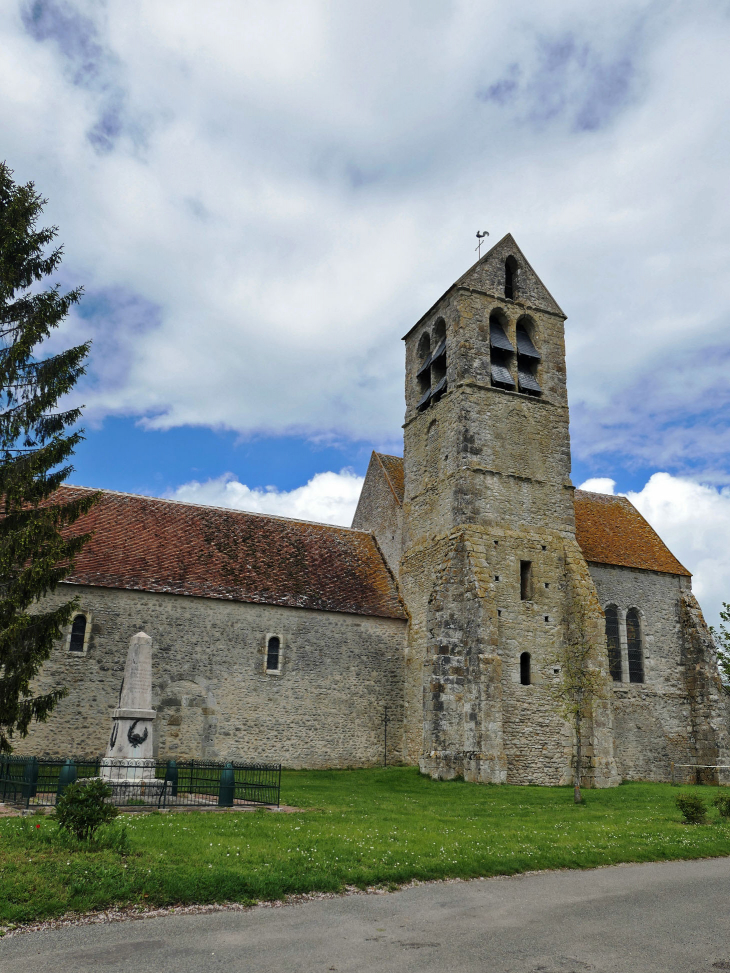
{"type": "Point", "coordinates": [273, 652]}
{"type": "Point", "coordinates": [613, 643]}
{"type": "Point", "coordinates": [633, 639]}
{"type": "Point", "coordinates": [525, 675]}
{"type": "Point", "coordinates": [510, 278]}
{"type": "Point", "coordinates": [78, 634]}
{"type": "Point", "coordinates": [526, 580]}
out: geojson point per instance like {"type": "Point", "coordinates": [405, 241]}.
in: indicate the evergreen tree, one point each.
{"type": "Point", "coordinates": [36, 548]}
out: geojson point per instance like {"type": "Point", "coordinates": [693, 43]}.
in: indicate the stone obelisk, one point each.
{"type": "Point", "coordinates": [129, 761]}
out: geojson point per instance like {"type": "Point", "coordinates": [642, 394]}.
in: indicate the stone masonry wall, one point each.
{"type": "Point", "coordinates": [679, 712]}
{"type": "Point", "coordinates": [379, 511]}
{"type": "Point", "coordinates": [213, 697]}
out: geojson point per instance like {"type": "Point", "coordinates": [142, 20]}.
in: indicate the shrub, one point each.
{"type": "Point", "coordinates": [692, 807]}
{"type": "Point", "coordinates": [82, 807]}
{"type": "Point", "coordinates": [722, 803]}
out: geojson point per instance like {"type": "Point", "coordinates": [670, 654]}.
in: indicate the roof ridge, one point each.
{"type": "Point", "coordinates": [387, 476]}
{"type": "Point", "coordinates": [210, 506]}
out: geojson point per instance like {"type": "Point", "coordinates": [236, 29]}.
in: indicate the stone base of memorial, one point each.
{"type": "Point", "coordinates": [131, 780]}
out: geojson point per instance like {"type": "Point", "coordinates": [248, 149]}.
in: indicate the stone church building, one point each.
{"type": "Point", "coordinates": [445, 610]}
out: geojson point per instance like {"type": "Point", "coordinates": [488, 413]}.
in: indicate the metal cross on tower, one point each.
{"type": "Point", "coordinates": [480, 238]}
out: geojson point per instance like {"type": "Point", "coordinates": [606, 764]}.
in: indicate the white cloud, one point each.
{"type": "Point", "coordinates": [693, 519]}
{"type": "Point", "coordinates": [328, 498]}
{"type": "Point", "coordinates": [599, 484]}
{"type": "Point", "coordinates": [286, 187]}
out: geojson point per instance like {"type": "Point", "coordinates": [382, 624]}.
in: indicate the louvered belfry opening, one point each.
{"type": "Point", "coordinates": [78, 634]}
{"type": "Point", "coordinates": [432, 368]}
{"type": "Point", "coordinates": [424, 370]}
{"type": "Point", "coordinates": [528, 358]}
{"type": "Point", "coordinates": [633, 640]}
{"type": "Point", "coordinates": [501, 351]}
{"type": "Point", "coordinates": [613, 643]}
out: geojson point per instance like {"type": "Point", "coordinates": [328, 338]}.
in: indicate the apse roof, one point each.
{"type": "Point", "coordinates": [165, 546]}
{"type": "Point", "coordinates": [610, 530]}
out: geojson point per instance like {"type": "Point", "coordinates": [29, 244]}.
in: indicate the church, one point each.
{"type": "Point", "coordinates": [433, 632]}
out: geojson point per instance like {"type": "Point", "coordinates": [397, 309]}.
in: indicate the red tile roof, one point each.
{"type": "Point", "coordinates": [610, 530]}
{"type": "Point", "coordinates": [393, 468]}
{"type": "Point", "coordinates": [147, 544]}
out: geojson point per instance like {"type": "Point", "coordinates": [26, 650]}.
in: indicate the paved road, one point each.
{"type": "Point", "coordinates": [671, 917]}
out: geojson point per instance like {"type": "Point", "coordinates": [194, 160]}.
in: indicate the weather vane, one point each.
{"type": "Point", "coordinates": [480, 237]}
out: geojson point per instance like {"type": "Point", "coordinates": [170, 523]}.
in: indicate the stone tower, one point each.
{"type": "Point", "coordinates": [491, 570]}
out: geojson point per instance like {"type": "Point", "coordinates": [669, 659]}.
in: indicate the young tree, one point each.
{"type": "Point", "coordinates": [582, 684]}
{"type": "Point", "coordinates": [722, 644]}
{"type": "Point", "coordinates": [36, 549]}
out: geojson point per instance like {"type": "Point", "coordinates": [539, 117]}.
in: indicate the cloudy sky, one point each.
{"type": "Point", "coordinates": [261, 198]}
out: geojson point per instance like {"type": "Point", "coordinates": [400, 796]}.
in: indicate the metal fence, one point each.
{"type": "Point", "coordinates": [39, 782]}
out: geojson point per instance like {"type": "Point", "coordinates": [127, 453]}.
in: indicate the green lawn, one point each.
{"type": "Point", "coordinates": [359, 827]}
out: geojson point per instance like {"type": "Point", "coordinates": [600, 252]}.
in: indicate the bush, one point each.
{"type": "Point", "coordinates": [692, 807]}
{"type": "Point", "coordinates": [722, 803]}
{"type": "Point", "coordinates": [82, 807]}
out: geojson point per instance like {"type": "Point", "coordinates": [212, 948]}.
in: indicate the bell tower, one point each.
{"type": "Point", "coordinates": [490, 569]}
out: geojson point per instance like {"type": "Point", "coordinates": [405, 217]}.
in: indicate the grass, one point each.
{"type": "Point", "coordinates": [358, 827]}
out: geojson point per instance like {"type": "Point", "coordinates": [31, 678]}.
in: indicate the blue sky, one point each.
{"type": "Point", "coordinates": [260, 198]}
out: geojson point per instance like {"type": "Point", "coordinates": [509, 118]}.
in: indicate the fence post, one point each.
{"type": "Point", "coordinates": [67, 776]}
{"type": "Point", "coordinates": [227, 787]}
{"type": "Point", "coordinates": [672, 766]}
{"type": "Point", "coordinates": [30, 779]}
{"type": "Point", "coordinates": [171, 776]}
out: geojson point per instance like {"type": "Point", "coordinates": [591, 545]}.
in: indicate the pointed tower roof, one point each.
{"type": "Point", "coordinates": [487, 276]}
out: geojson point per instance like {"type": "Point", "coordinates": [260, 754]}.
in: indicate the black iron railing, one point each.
{"type": "Point", "coordinates": [39, 782]}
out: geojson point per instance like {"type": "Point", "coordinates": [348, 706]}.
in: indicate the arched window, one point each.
{"type": "Point", "coordinates": [613, 643]}
{"type": "Point", "coordinates": [528, 358]}
{"type": "Point", "coordinates": [501, 352]}
{"type": "Point", "coordinates": [431, 372]}
{"type": "Point", "coordinates": [273, 648]}
{"type": "Point", "coordinates": [525, 669]}
{"type": "Point", "coordinates": [633, 639]}
{"type": "Point", "coordinates": [510, 278]}
{"type": "Point", "coordinates": [78, 634]}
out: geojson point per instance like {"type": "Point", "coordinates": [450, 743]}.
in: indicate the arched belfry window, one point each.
{"type": "Point", "coordinates": [502, 354]}
{"type": "Point", "coordinates": [431, 372]}
{"type": "Point", "coordinates": [528, 357]}
{"type": "Point", "coordinates": [525, 674]}
{"type": "Point", "coordinates": [613, 643]}
{"type": "Point", "coordinates": [510, 278]}
{"type": "Point", "coordinates": [273, 653]}
{"type": "Point", "coordinates": [78, 634]}
{"type": "Point", "coordinates": [424, 368]}
{"type": "Point", "coordinates": [633, 641]}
